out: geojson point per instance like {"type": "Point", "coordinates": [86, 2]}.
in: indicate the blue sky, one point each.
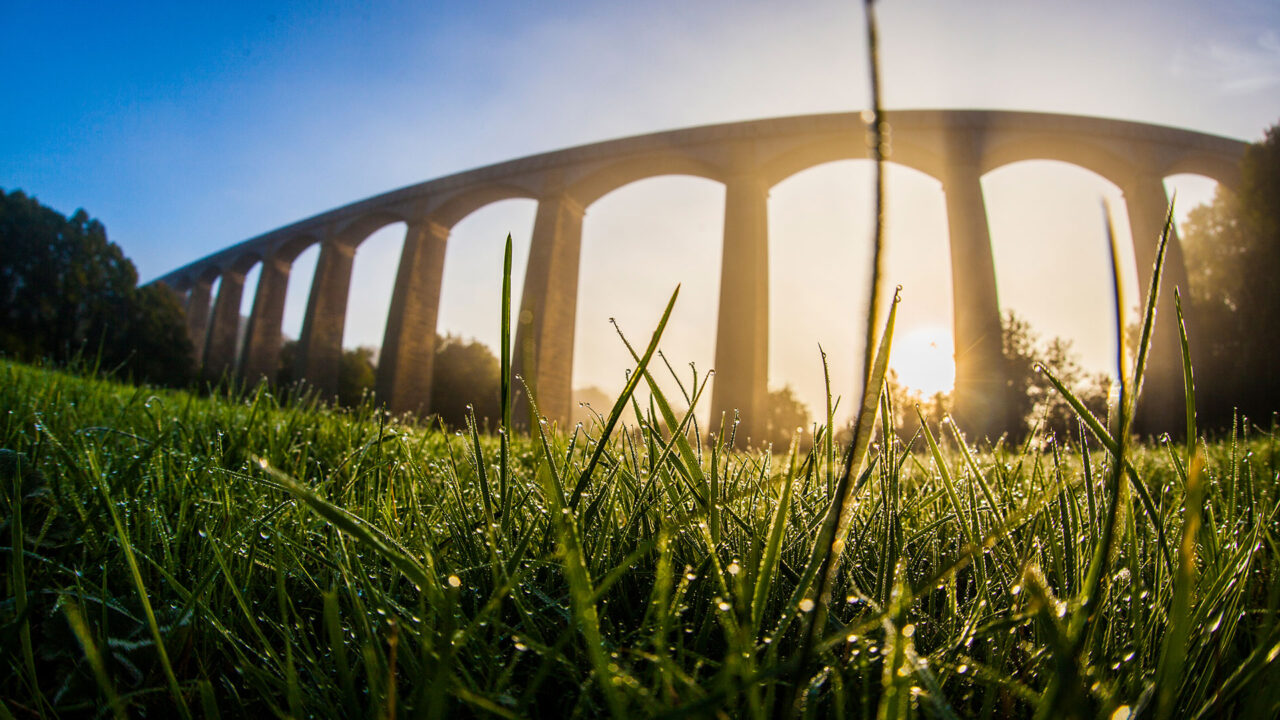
{"type": "Point", "coordinates": [186, 128]}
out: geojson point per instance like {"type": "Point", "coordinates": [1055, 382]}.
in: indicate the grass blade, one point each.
{"type": "Point", "coordinates": [620, 405]}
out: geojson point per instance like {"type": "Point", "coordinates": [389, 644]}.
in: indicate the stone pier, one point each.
{"type": "Point", "coordinates": [407, 360]}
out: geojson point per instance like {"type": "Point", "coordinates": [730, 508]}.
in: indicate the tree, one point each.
{"type": "Point", "coordinates": [466, 373]}
{"type": "Point", "coordinates": [1232, 247]}
{"type": "Point", "coordinates": [787, 415]}
{"type": "Point", "coordinates": [1032, 398]}
{"type": "Point", "coordinates": [357, 373]}
{"type": "Point", "coordinates": [903, 401]}
{"type": "Point", "coordinates": [1033, 401]}
{"type": "Point", "coordinates": [67, 292]}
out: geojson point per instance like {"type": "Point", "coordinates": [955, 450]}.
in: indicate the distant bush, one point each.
{"type": "Point", "coordinates": [466, 373]}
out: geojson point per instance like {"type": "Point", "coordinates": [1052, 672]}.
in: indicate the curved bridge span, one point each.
{"type": "Point", "coordinates": [955, 147]}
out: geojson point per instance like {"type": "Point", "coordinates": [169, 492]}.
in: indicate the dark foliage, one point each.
{"type": "Point", "coordinates": [1033, 399]}
{"type": "Point", "coordinates": [466, 373]}
{"type": "Point", "coordinates": [356, 375]}
{"type": "Point", "coordinates": [69, 294]}
{"type": "Point", "coordinates": [1233, 260]}
{"type": "Point", "coordinates": [786, 415]}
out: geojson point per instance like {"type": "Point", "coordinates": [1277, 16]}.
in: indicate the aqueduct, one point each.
{"type": "Point", "coordinates": [955, 147]}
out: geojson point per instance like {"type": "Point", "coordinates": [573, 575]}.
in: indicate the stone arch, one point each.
{"type": "Point", "coordinates": [955, 145]}
{"type": "Point", "coordinates": [616, 175]}
{"type": "Point", "coordinates": [826, 263]}
{"type": "Point", "coordinates": [674, 214]}
{"type": "Point", "coordinates": [456, 207]}
{"type": "Point", "coordinates": [356, 231]}
{"type": "Point", "coordinates": [846, 146]}
{"type": "Point", "coordinates": [290, 248]}
{"type": "Point", "coordinates": [1076, 300]}
{"type": "Point", "coordinates": [373, 271]}
{"type": "Point", "coordinates": [1006, 148]}
{"type": "Point", "coordinates": [1223, 170]}
{"type": "Point", "coordinates": [244, 262]}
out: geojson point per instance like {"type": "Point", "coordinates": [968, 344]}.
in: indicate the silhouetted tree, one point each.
{"type": "Point", "coordinates": [67, 292]}
{"type": "Point", "coordinates": [357, 372]}
{"type": "Point", "coordinates": [1032, 398]}
{"type": "Point", "coordinates": [466, 373]}
{"type": "Point", "coordinates": [356, 375]}
{"type": "Point", "coordinates": [1233, 260]}
{"type": "Point", "coordinates": [786, 415]}
{"type": "Point", "coordinates": [903, 400]}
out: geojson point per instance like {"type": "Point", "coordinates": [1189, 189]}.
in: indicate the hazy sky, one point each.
{"type": "Point", "coordinates": [186, 128]}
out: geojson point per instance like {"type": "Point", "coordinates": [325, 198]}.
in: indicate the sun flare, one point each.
{"type": "Point", "coordinates": [924, 361]}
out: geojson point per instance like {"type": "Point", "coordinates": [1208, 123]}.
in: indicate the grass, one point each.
{"type": "Point", "coordinates": [242, 556]}
{"type": "Point", "coordinates": [251, 556]}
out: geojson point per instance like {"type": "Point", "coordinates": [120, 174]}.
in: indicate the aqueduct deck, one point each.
{"type": "Point", "coordinates": [955, 147]}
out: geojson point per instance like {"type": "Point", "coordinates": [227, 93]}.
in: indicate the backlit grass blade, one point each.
{"type": "Point", "coordinates": [578, 576]}
{"type": "Point", "coordinates": [1095, 426]}
{"type": "Point", "coordinates": [948, 482]}
{"type": "Point", "coordinates": [829, 544]}
{"type": "Point", "coordinates": [75, 618]}
{"type": "Point", "coordinates": [773, 544]}
{"type": "Point", "coordinates": [1188, 379]}
{"type": "Point", "coordinates": [1173, 652]}
{"type": "Point", "coordinates": [504, 356]}
{"type": "Point", "coordinates": [620, 404]}
{"type": "Point", "coordinates": [1149, 313]}
{"type": "Point", "coordinates": [829, 436]}
{"type": "Point", "coordinates": [1088, 596]}
{"type": "Point", "coordinates": [135, 573]}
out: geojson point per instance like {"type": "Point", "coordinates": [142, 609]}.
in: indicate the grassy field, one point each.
{"type": "Point", "coordinates": [170, 554]}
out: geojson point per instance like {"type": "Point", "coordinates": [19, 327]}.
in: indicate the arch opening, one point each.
{"type": "Point", "coordinates": [471, 289]}
{"type": "Point", "coordinates": [302, 272]}
{"type": "Point", "coordinates": [638, 242]}
{"type": "Point", "coordinates": [214, 289]}
{"type": "Point", "coordinates": [247, 299]}
{"type": "Point", "coordinates": [1188, 191]}
{"type": "Point", "coordinates": [821, 225]}
{"type": "Point", "coordinates": [1195, 197]}
{"type": "Point", "coordinates": [373, 277]}
{"type": "Point", "coordinates": [1053, 266]}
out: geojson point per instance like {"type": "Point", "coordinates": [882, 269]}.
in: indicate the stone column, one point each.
{"type": "Point", "coordinates": [1161, 405]}
{"type": "Point", "coordinates": [548, 310]}
{"type": "Point", "coordinates": [408, 348]}
{"type": "Point", "coordinates": [198, 317]}
{"type": "Point", "coordinates": [260, 357]}
{"type": "Point", "coordinates": [220, 352]}
{"type": "Point", "coordinates": [742, 330]}
{"type": "Point", "coordinates": [980, 398]}
{"type": "Point", "coordinates": [320, 347]}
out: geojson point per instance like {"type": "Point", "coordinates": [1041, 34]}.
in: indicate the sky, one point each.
{"type": "Point", "coordinates": [188, 127]}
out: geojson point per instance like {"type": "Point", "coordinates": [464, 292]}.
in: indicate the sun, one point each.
{"type": "Point", "coordinates": [924, 361]}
